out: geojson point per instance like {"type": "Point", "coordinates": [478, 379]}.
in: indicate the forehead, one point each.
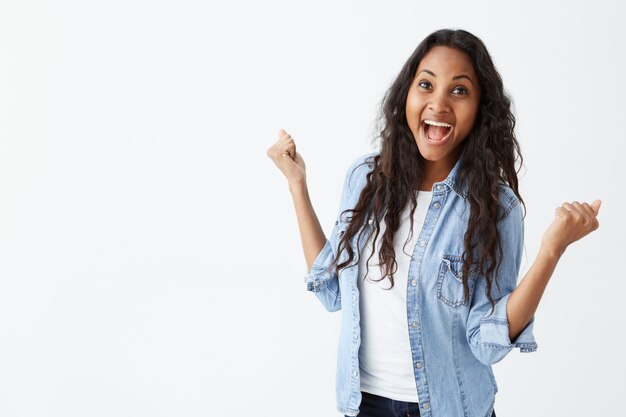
{"type": "Point", "coordinates": [443, 60]}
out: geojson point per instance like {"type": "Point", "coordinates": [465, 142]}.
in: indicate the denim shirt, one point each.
{"type": "Point", "coordinates": [453, 343]}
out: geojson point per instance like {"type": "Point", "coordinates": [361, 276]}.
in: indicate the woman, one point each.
{"type": "Point", "coordinates": [440, 206]}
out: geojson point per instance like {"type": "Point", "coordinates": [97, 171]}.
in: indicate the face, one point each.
{"type": "Point", "coordinates": [442, 104]}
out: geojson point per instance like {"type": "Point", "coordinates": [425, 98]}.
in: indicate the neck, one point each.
{"type": "Point", "coordinates": [436, 171]}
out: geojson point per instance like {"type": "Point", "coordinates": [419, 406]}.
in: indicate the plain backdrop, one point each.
{"type": "Point", "coordinates": [150, 259]}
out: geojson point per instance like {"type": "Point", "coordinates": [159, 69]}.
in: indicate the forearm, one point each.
{"type": "Point", "coordinates": [524, 300]}
{"type": "Point", "coordinates": [311, 233]}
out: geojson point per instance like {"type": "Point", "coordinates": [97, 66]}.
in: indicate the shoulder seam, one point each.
{"type": "Point", "coordinates": [358, 162]}
{"type": "Point", "coordinates": [512, 201]}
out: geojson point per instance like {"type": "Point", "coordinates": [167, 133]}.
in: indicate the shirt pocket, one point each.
{"type": "Point", "coordinates": [450, 281]}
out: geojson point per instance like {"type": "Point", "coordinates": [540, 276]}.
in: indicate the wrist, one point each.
{"type": "Point", "coordinates": [551, 251]}
{"type": "Point", "coordinates": [296, 186]}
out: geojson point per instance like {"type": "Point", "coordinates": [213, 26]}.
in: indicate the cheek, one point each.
{"type": "Point", "coordinates": [412, 108]}
{"type": "Point", "coordinates": [469, 118]}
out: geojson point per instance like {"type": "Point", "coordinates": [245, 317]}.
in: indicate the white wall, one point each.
{"type": "Point", "coordinates": [150, 261]}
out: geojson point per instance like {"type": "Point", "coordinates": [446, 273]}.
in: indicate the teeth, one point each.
{"type": "Point", "coordinates": [433, 123]}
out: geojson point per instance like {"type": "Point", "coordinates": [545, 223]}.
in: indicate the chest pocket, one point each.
{"type": "Point", "coordinates": [450, 281]}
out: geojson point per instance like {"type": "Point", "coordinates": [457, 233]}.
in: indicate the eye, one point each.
{"type": "Point", "coordinates": [459, 90]}
{"type": "Point", "coordinates": [425, 84]}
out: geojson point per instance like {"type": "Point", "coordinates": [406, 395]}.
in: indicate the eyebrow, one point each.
{"type": "Point", "coordinates": [456, 77]}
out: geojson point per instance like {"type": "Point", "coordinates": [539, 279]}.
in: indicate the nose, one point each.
{"type": "Point", "coordinates": [438, 103]}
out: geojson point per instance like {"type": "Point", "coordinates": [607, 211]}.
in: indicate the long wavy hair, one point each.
{"type": "Point", "coordinates": [490, 152]}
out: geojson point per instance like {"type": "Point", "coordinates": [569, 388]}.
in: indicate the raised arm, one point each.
{"type": "Point", "coordinates": [572, 221]}
{"type": "Point", "coordinates": [291, 164]}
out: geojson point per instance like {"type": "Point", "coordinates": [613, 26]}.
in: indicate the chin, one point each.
{"type": "Point", "coordinates": [432, 155]}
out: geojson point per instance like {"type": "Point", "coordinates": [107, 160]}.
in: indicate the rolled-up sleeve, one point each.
{"type": "Point", "coordinates": [321, 280]}
{"type": "Point", "coordinates": [488, 333]}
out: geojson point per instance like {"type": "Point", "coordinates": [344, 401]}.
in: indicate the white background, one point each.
{"type": "Point", "coordinates": [150, 260]}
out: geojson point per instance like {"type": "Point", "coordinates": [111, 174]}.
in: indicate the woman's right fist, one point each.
{"type": "Point", "coordinates": [284, 155]}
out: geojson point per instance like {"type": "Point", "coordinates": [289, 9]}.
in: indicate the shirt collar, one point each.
{"type": "Point", "coordinates": [453, 181]}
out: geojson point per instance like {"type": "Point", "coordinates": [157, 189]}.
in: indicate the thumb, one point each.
{"type": "Point", "coordinates": [596, 206]}
{"type": "Point", "coordinates": [287, 154]}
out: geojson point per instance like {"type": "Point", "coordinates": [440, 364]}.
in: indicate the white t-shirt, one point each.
{"type": "Point", "coordinates": [385, 357]}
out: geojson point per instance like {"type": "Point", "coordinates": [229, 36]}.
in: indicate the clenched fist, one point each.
{"type": "Point", "coordinates": [572, 221]}
{"type": "Point", "coordinates": [284, 155]}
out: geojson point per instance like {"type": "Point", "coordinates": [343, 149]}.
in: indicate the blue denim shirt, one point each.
{"type": "Point", "coordinates": [453, 343]}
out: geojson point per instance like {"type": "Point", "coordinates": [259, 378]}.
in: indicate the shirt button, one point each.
{"type": "Point", "coordinates": [370, 221]}
{"type": "Point", "coordinates": [425, 406]}
{"type": "Point", "coordinates": [418, 365]}
{"type": "Point", "coordinates": [355, 373]}
{"type": "Point", "coordinates": [421, 243]}
{"type": "Point", "coordinates": [439, 187]}
{"type": "Point", "coordinates": [414, 282]}
{"type": "Point", "coordinates": [354, 297]}
{"type": "Point", "coordinates": [355, 335]}
{"type": "Point", "coordinates": [436, 205]}
{"type": "Point", "coordinates": [414, 325]}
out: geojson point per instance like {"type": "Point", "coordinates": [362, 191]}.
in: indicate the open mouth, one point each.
{"type": "Point", "coordinates": [437, 132]}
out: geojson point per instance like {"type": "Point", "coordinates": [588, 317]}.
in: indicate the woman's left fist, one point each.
{"type": "Point", "coordinates": [572, 221]}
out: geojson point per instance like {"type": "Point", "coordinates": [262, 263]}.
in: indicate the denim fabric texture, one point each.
{"type": "Point", "coordinates": [376, 406]}
{"type": "Point", "coordinates": [454, 343]}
